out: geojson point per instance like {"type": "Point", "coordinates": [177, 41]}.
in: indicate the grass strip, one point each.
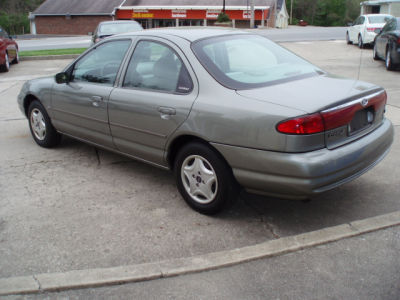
{"type": "Point", "coordinates": [52, 52]}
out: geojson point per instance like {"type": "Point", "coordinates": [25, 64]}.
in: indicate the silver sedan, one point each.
{"type": "Point", "coordinates": [222, 109]}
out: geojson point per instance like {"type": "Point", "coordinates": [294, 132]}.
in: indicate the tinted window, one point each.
{"type": "Point", "coordinates": [101, 65]}
{"type": "Point", "coordinates": [378, 19]}
{"type": "Point", "coordinates": [157, 67]}
{"type": "Point", "coordinates": [249, 61]}
{"type": "Point", "coordinates": [114, 28]}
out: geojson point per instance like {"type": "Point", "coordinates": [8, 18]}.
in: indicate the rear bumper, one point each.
{"type": "Point", "coordinates": [369, 37]}
{"type": "Point", "coordinates": [300, 175]}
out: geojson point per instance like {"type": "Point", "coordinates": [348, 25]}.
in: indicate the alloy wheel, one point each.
{"type": "Point", "coordinates": [38, 124]}
{"type": "Point", "coordinates": [199, 179]}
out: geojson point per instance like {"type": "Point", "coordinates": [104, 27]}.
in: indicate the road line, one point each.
{"type": "Point", "coordinates": [150, 271]}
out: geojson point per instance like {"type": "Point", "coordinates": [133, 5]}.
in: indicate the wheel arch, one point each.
{"type": "Point", "coordinates": [27, 102]}
{"type": "Point", "coordinates": [180, 141]}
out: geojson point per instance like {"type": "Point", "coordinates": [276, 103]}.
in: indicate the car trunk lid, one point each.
{"type": "Point", "coordinates": [347, 109]}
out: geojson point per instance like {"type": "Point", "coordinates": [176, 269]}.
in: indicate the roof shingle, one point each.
{"type": "Point", "coordinates": [77, 7]}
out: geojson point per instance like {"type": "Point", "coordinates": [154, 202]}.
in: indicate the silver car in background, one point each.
{"type": "Point", "coordinates": [220, 108]}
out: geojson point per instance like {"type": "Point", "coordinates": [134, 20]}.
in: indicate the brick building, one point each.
{"type": "Point", "coordinates": [77, 17]}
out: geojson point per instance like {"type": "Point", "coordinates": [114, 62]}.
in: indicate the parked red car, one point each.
{"type": "Point", "coordinates": [8, 51]}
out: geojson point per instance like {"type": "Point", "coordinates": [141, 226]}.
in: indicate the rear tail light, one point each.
{"type": "Point", "coordinates": [371, 29]}
{"type": "Point", "coordinates": [302, 125]}
{"type": "Point", "coordinates": [331, 118]}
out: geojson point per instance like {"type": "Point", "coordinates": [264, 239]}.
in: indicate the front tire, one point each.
{"type": "Point", "coordinates": [6, 66]}
{"type": "Point", "coordinates": [348, 39]}
{"type": "Point", "coordinates": [16, 59]}
{"type": "Point", "coordinates": [375, 53]}
{"type": "Point", "coordinates": [43, 132]}
{"type": "Point", "coordinates": [204, 179]}
{"type": "Point", "coordinates": [388, 61]}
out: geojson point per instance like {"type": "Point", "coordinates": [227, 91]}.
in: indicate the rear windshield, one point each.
{"type": "Point", "coordinates": [114, 28]}
{"type": "Point", "coordinates": [250, 61]}
{"type": "Point", "coordinates": [378, 19]}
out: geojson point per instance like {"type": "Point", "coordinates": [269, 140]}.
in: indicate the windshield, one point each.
{"type": "Point", "coordinates": [250, 61]}
{"type": "Point", "coordinates": [378, 19]}
{"type": "Point", "coordinates": [114, 28]}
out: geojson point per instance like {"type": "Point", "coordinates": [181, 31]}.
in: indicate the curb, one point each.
{"type": "Point", "coordinates": [149, 271]}
{"type": "Point", "coordinates": [49, 57]}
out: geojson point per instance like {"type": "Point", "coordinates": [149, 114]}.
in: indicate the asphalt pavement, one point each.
{"type": "Point", "coordinates": [76, 208]}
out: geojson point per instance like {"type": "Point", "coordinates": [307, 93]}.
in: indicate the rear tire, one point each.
{"type": "Point", "coordinates": [43, 132]}
{"type": "Point", "coordinates": [360, 42]}
{"type": "Point", "coordinates": [204, 179]}
{"type": "Point", "coordinates": [6, 66]}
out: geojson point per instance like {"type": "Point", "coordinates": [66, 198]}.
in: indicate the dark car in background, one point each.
{"type": "Point", "coordinates": [387, 44]}
{"type": "Point", "coordinates": [108, 28]}
{"type": "Point", "coordinates": [8, 51]}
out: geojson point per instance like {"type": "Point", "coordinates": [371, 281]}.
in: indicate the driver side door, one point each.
{"type": "Point", "coordinates": [80, 105]}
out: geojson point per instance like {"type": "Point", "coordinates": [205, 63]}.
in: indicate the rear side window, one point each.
{"type": "Point", "coordinates": [155, 66]}
{"type": "Point", "coordinates": [378, 19]}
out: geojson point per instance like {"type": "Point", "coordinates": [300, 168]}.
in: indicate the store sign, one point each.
{"type": "Point", "coordinates": [142, 14]}
{"type": "Point", "coordinates": [212, 14]}
{"type": "Point", "coordinates": [179, 14]}
{"type": "Point", "coordinates": [246, 14]}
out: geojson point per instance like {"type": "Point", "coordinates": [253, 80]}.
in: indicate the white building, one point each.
{"type": "Point", "coordinates": [391, 7]}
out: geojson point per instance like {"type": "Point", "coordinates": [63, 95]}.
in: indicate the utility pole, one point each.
{"type": "Point", "coordinates": [223, 6]}
{"type": "Point", "coordinates": [291, 11]}
{"type": "Point", "coordinates": [252, 14]}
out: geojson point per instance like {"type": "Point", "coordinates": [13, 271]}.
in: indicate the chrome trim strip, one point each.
{"type": "Point", "coordinates": [115, 151]}
{"type": "Point", "coordinates": [358, 100]}
{"type": "Point", "coordinates": [79, 115]}
{"type": "Point", "coordinates": [138, 130]}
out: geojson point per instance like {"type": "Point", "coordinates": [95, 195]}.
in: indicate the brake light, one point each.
{"type": "Point", "coordinates": [302, 125]}
{"type": "Point", "coordinates": [371, 29]}
{"type": "Point", "coordinates": [331, 118]}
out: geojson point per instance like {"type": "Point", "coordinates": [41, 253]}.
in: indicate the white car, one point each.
{"type": "Point", "coordinates": [365, 28]}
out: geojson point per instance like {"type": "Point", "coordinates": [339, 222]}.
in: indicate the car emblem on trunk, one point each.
{"type": "Point", "coordinates": [364, 102]}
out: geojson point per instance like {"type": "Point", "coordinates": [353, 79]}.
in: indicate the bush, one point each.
{"type": "Point", "coordinates": [223, 17]}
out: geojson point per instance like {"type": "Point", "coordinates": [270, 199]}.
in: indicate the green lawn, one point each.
{"type": "Point", "coordinates": [52, 52]}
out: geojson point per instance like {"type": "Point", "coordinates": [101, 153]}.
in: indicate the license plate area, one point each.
{"type": "Point", "coordinates": [362, 120]}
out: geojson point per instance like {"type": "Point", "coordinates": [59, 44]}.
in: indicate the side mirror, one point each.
{"type": "Point", "coordinates": [62, 78]}
{"type": "Point", "coordinates": [378, 31]}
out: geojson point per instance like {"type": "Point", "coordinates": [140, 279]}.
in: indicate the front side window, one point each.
{"type": "Point", "coordinates": [155, 66]}
{"type": "Point", "coordinates": [101, 65]}
{"type": "Point", "coordinates": [250, 61]}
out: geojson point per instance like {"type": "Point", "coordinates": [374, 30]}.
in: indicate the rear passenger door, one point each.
{"type": "Point", "coordinates": [155, 97]}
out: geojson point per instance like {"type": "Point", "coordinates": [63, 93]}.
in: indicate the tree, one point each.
{"type": "Point", "coordinates": [14, 14]}
{"type": "Point", "coordinates": [325, 12]}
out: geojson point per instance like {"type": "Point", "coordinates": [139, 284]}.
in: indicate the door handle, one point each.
{"type": "Point", "coordinates": [167, 110]}
{"type": "Point", "coordinates": [96, 100]}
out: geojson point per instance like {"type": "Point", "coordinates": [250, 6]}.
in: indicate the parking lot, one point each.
{"type": "Point", "coordinates": [77, 207]}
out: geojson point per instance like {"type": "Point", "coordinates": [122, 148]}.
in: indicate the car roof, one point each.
{"type": "Point", "coordinates": [188, 33]}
